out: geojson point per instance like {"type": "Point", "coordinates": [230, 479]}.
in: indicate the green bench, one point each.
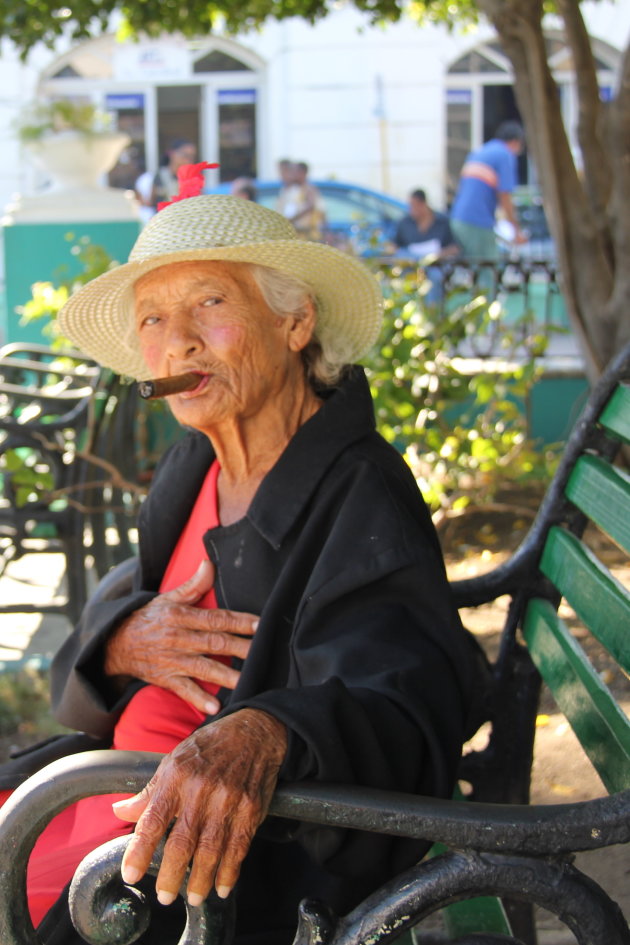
{"type": "Point", "coordinates": [495, 855]}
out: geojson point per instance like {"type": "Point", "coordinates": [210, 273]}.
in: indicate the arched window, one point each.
{"type": "Point", "coordinates": [480, 95]}
{"type": "Point", "coordinates": [206, 90]}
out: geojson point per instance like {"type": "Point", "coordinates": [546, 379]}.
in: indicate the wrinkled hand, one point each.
{"type": "Point", "coordinates": [217, 786]}
{"type": "Point", "coordinates": [169, 642]}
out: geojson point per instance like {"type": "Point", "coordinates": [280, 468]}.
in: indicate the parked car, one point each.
{"type": "Point", "coordinates": [357, 218]}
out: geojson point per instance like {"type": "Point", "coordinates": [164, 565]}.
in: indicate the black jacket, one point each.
{"type": "Point", "coordinates": [359, 650]}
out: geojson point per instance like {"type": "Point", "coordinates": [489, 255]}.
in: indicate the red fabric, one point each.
{"type": "Point", "coordinates": [191, 181]}
{"type": "Point", "coordinates": [155, 719]}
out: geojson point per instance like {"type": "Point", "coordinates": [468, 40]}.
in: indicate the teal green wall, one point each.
{"type": "Point", "coordinates": [555, 403]}
{"type": "Point", "coordinates": [40, 252]}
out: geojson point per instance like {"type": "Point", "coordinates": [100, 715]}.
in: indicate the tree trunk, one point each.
{"type": "Point", "coordinates": [588, 238]}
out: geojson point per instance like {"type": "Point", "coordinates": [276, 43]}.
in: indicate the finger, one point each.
{"type": "Point", "coordinates": [195, 587]}
{"type": "Point", "coordinates": [226, 644]}
{"type": "Point", "coordinates": [150, 828]}
{"type": "Point", "coordinates": [178, 853]}
{"type": "Point", "coordinates": [228, 621]}
{"type": "Point", "coordinates": [188, 690]}
{"type": "Point", "coordinates": [213, 671]}
{"type": "Point", "coordinates": [206, 642]}
{"type": "Point", "coordinates": [238, 843]}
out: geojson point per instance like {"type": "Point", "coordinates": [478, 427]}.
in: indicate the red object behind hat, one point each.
{"type": "Point", "coordinates": [190, 177]}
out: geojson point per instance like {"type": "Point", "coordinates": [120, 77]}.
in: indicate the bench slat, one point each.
{"type": "Point", "coordinates": [600, 491]}
{"type": "Point", "coordinates": [599, 600]}
{"type": "Point", "coordinates": [599, 723]}
{"type": "Point", "coordinates": [615, 416]}
{"type": "Point", "coordinates": [483, 914]}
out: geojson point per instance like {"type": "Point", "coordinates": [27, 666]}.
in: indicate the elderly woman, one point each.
{"type": "Point", "coordinates": [290, 616]}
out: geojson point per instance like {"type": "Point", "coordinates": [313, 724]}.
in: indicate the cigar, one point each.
{"type": "Point", "coordinates": [163, 386]}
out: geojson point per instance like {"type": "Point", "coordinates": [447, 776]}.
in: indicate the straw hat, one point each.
{"type": "Point", "coordinates": [99, 318]}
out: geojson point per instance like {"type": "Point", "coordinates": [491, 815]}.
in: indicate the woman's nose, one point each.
{"type": "Point", "coordinates": [182, 338]}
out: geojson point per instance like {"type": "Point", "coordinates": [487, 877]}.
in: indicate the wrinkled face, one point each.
{"type": "Point", "coordinates": [210, 318]}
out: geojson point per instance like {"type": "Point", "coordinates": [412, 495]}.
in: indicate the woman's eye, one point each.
{"type": "Point", "coordinates": [149, 320]}
{"type": "Point", "coordinates": [211, 300]}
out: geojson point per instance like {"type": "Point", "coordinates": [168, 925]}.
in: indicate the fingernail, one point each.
{"type": "Point", "coordinates": [194, 899]}
{"type": "Point", "coordinates": [211, 708]}
{"type": "Point", "coordinates": [223, 891]}
{"type": "Point", "coordinates": [130, 874]}
{"type": "Point", "coordinates": [165, 897]}
{"type": "Point", "coordinates": [255, 624]}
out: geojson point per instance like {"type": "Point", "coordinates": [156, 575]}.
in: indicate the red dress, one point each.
{"type": "Point", "coordinates": [155, 719]}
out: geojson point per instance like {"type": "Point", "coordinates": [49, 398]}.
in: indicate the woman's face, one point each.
{"type": "Point", "coordinates": [210, 318]}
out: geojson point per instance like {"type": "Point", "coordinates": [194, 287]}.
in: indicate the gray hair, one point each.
{"type": "Point", "coordinates": [324, 357]}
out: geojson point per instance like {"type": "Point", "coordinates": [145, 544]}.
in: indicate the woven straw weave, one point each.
{"type": "Point", "coordinates": [99, 318]}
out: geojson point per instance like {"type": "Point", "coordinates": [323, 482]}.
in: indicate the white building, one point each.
{"type": "Point", "coordinates": [392, 108]}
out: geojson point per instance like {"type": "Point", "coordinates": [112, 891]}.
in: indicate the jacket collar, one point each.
{"type": "Point", "coordinates": [347, 415]}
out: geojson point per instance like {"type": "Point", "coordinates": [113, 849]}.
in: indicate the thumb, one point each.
{"type": "Point", "coordinates": [130, 808]}
{"type": "Point", "coordinates": [195, 587]}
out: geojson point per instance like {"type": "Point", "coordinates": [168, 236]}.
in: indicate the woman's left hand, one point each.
{"type": "Point", "coordinates": [217, 786]}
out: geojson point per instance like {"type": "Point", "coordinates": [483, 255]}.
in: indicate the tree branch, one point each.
{"type": "Point", "coordinates": [587, 278]}
{"type": "Point", "coordinates": [590, 120]}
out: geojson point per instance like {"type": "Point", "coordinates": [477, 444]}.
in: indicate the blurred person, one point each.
{"type": "Point", "coordinates": [143, 189]}
{"type": "Point", "coordinates": [424, 231]}
{"type": "Point", "coordinates": [243, 187]}
{"type": "Point", "coordinates": [301, 202]}
{"type": "Point", "coordinates": [426, 235]}
{"type": "Point", "coordinates": [165, 183]}
{"type": "Point", "coordinates": [486, 184]}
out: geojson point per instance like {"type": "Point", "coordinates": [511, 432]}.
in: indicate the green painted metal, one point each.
{"type": "Point", "coordinates": [555, 403]}
{"type": "Point", "coordinates": [597, 597]}
{"type": "Point", "coordinates": [600, 491]}
{"type": "Point", "coordinates": [599, 723]}
{"type": "Point", "coordinates": [483, 914]}
{"type": "Point", "coordinates": [615, 416]}
{"type": "Point", "coordinates": [41, 252]}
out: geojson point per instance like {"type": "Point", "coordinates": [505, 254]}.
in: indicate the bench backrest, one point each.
{"type": "Point", "coordinates": [601, 493]}
{"type": "Point", "coordinates": [590, 495]}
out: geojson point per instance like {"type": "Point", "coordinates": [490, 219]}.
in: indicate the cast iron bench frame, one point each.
{"type": "Point", "coordinates": [494, 844]}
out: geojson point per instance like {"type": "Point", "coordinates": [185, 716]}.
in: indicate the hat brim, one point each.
{"type": "Point", "coordinates": [99, 317]}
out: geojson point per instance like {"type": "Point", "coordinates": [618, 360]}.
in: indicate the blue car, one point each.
{"type": "Point", "coordinates": [357, 218]}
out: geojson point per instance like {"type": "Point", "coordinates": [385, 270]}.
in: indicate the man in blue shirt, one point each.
{"type": "Point", "coordinates": [487, 181]}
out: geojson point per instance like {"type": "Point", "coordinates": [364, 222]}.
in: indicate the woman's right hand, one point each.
{"type": "Point", "coordinates": [170, 642]}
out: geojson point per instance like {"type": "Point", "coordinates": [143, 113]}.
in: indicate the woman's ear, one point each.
{"type": "Point", "coordinates": [302, 326]}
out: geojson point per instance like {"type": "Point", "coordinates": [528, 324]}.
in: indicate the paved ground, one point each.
{"type": "Point", "coordinates": [35, 578]}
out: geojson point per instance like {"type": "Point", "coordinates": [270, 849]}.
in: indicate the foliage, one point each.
{"type": "Point", "coordinates": [48, 298]}
{"type": "Point", "coordinates": [25, 704]}
{"type": "Point", "coordinates": [463, 434]}
{"type": "Point", "coordinates": [27, 474]}
{"type": "Point", "coordinates": [43, 118]}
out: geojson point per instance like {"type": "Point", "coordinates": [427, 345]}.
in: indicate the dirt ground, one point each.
{"type": "Point", "coordinates": [477, 542]}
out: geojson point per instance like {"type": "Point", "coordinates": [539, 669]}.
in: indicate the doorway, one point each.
{"type": "Point", "coordinates": [178, 116]}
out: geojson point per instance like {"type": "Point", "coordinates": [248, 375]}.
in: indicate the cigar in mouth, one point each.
{"type": "Point", "coordinates": [163, 386]}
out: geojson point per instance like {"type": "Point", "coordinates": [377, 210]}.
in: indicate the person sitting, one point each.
{"type": "Point", "coordinates": [290, 616]}
{"type": "Point", "coordinates": [425, 234]}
